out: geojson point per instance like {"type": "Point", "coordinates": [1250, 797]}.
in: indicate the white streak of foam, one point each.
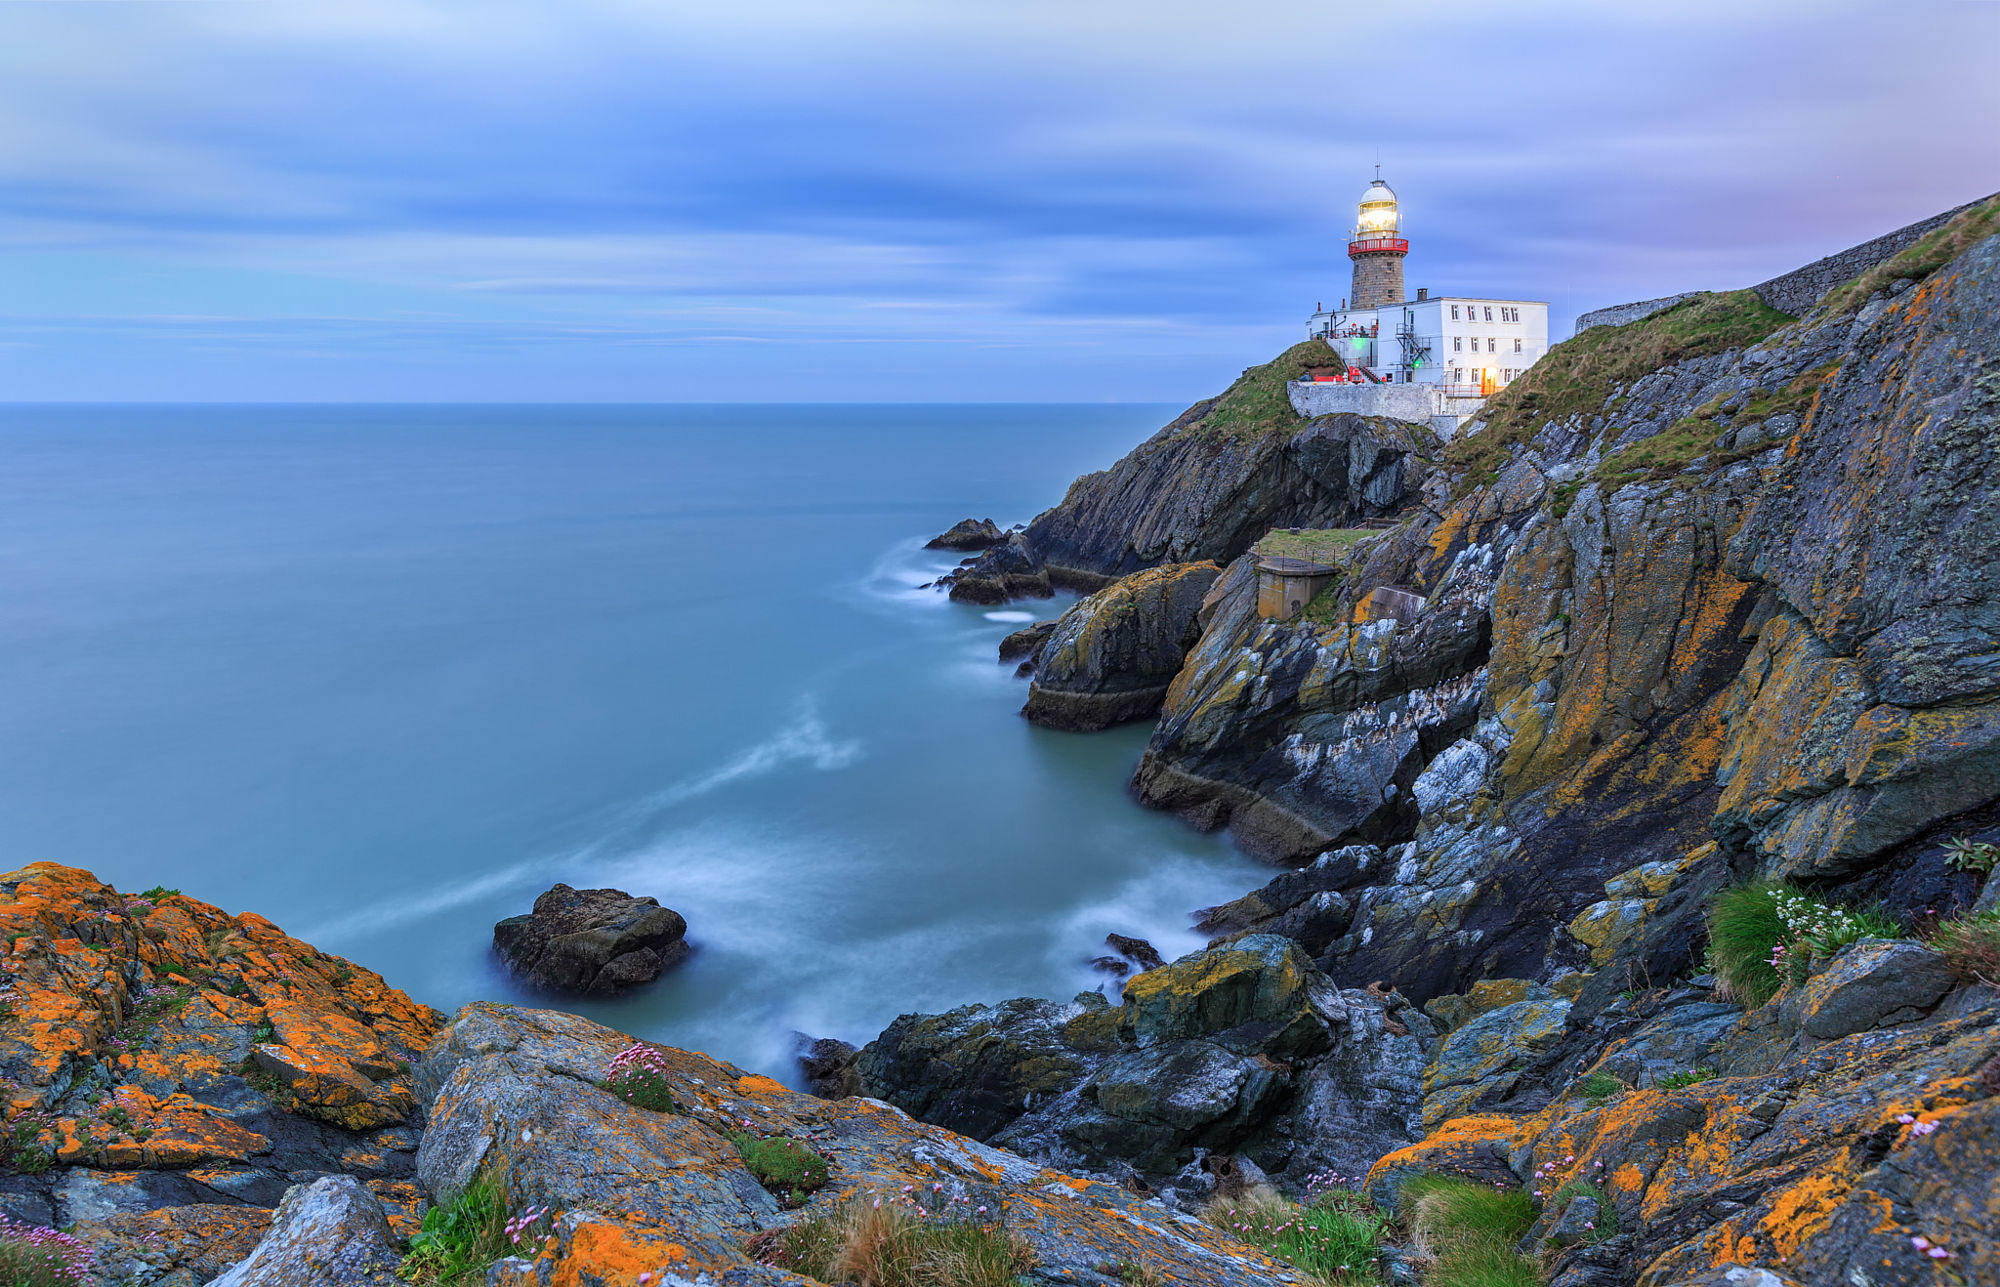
{"type": "Point", "coordinates": [804, 740]}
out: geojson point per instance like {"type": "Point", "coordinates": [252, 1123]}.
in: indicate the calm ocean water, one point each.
{"type": "Point", "coordinates": [383, 674]}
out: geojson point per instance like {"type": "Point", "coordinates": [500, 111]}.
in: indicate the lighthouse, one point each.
{"type": "Point", "coordinates": [1421, 357]}
{"type": "Point", "coordinates": [1377, 249]}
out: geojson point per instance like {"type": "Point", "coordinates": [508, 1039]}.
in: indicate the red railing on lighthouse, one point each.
{"type": "Point", "coordinates": [1379, 246]}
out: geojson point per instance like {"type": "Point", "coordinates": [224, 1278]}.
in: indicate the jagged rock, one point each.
{"type": "Point", "coordinates": [977, 1068]}
{"type": "Point", "coordinates": [1681, 1038]}
{"type": "Point", "coordinates": [1255, 995]}
{"type": "Point", "coordinates": [1482, 1060]}
{"type": "Point", "coordinates": [1110, 657]}
{"type": "Point", "coordinates": [593, 941]}
{"type": "Point", "coordinates": [172, 1246]}
{"type": "Point", "coordinates": [129, 1039]}
{"type": "Point", "coordinates": [968, 534]}
{"type": "Point", "coordinates": [1305, 906]}
{"type": "Point", "coordinates": [1026, 641]}
{"type": "Point", "coordinates": [1454, 1009]}
{"type": "Point", "coordinates": [829, 1067]}
{"type": "Point", "coordinates": [640, 1190]}
{"type": "Point", "coordinates": [1007, 571]}
{"type": "Point", "coordinates": [1823, 1157]}
{"type": "Point", "coordinates": [1244, 1051]}
{"type": "Point", "coordinates": [1737, 1276]}
{"type": "Point", "coordinates": [1138, 950]}
{"type": "Point", "coordinates": [331, 1233]}
{"type": "Point", "coordinates": [1191, 494]}
{"type": "Point", "coordinates": [1871, 983]}
{"type": "Point", "coordinates": [1303, 739]}
{"type": "Point", "coordinates": [1577, 1223]}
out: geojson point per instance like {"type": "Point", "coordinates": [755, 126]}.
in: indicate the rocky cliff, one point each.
{"type": "Point", "coordinates": [1705, 599]}
{"type": "Point", "coordinates": [1109, 659]}
{"type": "Point", "coordinates": [1209, 484]}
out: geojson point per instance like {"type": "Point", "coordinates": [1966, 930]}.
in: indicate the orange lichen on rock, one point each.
{"type": "Point", "coordinates": [126, 1041]}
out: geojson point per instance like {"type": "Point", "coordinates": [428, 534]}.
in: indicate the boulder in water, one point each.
{"type": "Point", "coordinates": [968, 534]}
{"type": "Point", "coordinates": [593, 941]}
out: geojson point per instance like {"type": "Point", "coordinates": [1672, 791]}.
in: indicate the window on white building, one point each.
{"type": "Point", "coordinates": [1489, 313]}
{"type": "Point", "coordinates": [1492, 345]}
{"type": "Point", "coordinates": [1517, 346]}
{"type": "Point", "coordinates": [1454, 312]}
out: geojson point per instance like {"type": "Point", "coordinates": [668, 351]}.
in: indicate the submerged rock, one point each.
{"type": "Point", "coordinates": [1007, 571]}
{"type": "Point", "coordinates": [1138, 950]}
{"type": "Point", "coordinates": [593, 941]}
{"type": "Point", "coordinates": [968, 534]}
{"type": "Point", "coordinates": [1026, 641]}
{"type": "Point", "coordinates": [828, 1065]}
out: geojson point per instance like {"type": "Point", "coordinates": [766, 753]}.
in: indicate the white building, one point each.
{"type": "Point", "coordinates": [1474, 346]}
{"type": "Point", "coordinates": [1464, 348]}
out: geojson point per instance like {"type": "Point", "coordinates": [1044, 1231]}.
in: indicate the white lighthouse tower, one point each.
{"type": "Point", "coordinates": [1377, 247]}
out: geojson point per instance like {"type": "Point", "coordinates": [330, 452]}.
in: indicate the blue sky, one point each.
{"type": "Point", "coordinates": [936, 201]}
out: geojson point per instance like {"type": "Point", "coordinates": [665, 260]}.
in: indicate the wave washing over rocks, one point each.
{"type": "Point", "coordinates": [1634, 924]}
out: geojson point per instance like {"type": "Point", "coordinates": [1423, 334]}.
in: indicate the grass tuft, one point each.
{"type": "Point", "coordinates": [789, 1168]}
{"type": "Point", "coordinates": [1971, 946]}
{"type": "Point", "coordinates": [1468, 1232]}
{"type": "Point", "coordinates": [1763, 935]}
{"type": "Point", "coordinates": [459, 1239]}
{"type": "Point", "coordinates": [1599, 1086]}
{"type": "Point", "coordinates": [896, 1246]}
{"type": "Point", "coordinates": [1336, 1238]}
{"type": "Point", "coordinates": [1687, 1077]}
{"type": "Point", "coordinates": [1744, 931]}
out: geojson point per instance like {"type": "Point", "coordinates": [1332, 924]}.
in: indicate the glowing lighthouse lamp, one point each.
{"type": "Point", "coordinates": [1377, 248]}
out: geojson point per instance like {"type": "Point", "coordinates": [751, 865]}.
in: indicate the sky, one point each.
{"type": "Point", "coordinates": [932, 201]}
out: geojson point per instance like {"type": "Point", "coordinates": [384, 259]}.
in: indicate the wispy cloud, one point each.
{"type": "Point", "coordinates": [1127, 200]}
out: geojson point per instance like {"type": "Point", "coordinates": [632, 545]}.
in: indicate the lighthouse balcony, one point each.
{"type": "Point", "coordinates": [1379, 246]}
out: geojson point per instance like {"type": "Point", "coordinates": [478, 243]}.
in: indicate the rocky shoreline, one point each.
{"type": "Point", "coordinates": [1637, 794]}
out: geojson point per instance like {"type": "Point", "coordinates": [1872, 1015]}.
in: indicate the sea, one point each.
{"type": "Point", "coordinates": [383, 674]}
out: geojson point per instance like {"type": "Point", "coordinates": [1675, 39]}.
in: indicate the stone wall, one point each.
{"type": "Point", "coordinates": [1620, 314]}
{"type": "Point", "coordinates": [1797, 291]}
{"type": "Point", "coordinates": [1415, 402]}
